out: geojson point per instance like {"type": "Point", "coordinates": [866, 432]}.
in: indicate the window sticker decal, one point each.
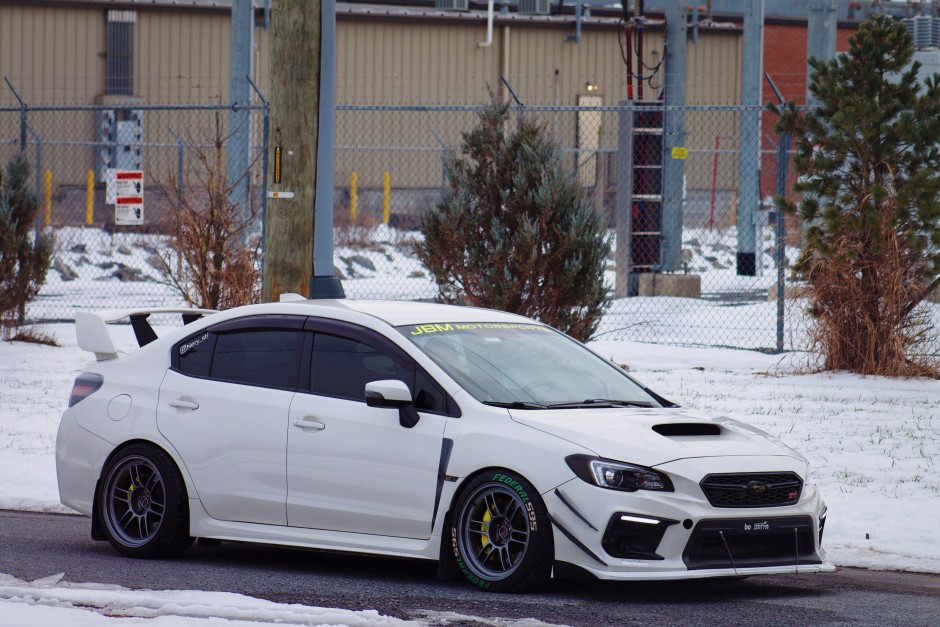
{"type": "Point", "coordinates": [188, 346]}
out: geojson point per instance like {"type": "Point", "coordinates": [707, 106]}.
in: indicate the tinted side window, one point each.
{"type": "Point", "coordinates": [195, 354]}
{"type": "Point", "coordinates": [257, 357]}
{"type": "Point", "coordinates": [342, 367]}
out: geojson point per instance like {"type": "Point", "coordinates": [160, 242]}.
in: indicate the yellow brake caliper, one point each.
{"type": "Point", "coordinates": [485, 528]}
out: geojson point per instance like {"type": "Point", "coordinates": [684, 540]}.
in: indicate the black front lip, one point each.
{"type": "Point", "coordinates": [752, 543]}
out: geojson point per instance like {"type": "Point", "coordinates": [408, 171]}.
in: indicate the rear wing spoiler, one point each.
{"type": "Point", "coordinates": [93, 336]}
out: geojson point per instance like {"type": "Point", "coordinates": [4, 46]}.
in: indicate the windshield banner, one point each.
{"type": "Point", "coordinates": [452, 327]}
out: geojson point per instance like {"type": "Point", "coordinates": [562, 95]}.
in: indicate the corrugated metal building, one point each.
{"type": "Point", "coordinates": [84, 52]}
{"type": "Point", "coordinates": [57, 52]}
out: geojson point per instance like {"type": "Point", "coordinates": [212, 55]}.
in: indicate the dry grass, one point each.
{"type": "Point", "coordinates": [865, 302]}
{"type": "Point", "coordinates": [30, 335]}
{"type": "Point", "coordinates": [349, 233]}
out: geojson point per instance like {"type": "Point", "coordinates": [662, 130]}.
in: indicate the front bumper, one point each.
{"type": "Point", "coordinates": [679, 535]}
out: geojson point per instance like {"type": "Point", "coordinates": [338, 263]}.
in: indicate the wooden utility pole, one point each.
{"type": "Point", "coordinates": [300, 173]}
{"type": "Point", "coordinates": [292, 175]}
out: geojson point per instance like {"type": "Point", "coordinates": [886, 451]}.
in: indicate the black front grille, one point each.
{"type": "Point", "coordinates": [771, 489]}
{"type": "Point", "coordinates": [746, 543]}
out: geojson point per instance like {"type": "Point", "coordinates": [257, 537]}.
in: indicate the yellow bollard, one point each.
{"type": "Point", "coordinates": [353, 197]}
{"type": "Point", "coordinates": [90, 198]}
{"type": "Point", "coordinates": [48, 190]}
{"type": "Point", "coordinates": [386, 195]}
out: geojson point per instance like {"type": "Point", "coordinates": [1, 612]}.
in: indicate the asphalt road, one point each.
{"type": "Point", "coordinates": [39, 545]}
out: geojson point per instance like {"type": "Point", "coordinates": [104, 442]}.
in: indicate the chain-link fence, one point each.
{"type": "Point", "coordinates": [687, 202]}
{"type": "Point", "coordinates": [100, 262]}
{"type": "Point", "coordinates": [686, 193]}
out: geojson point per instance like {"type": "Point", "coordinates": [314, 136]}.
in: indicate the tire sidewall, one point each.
{"type": "Point", "coordinates": [169, 538]}
{"type": "Point", "coordinates": [535, 566]}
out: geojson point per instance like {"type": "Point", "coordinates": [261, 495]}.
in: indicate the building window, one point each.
{"type": "Point", "coordinates": [119, 78]}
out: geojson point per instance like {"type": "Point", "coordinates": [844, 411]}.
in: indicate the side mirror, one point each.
{"type": "Point", "coordinates": [393, 394]}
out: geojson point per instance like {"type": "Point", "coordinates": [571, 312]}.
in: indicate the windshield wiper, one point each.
{"type": "Point", "coordinates": [516, 405]}
{"type": "Point", "coordinates": [599, 402]}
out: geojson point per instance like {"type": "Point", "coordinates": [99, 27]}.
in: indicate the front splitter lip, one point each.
{"type": "Point", "coordinates": [675, 575]}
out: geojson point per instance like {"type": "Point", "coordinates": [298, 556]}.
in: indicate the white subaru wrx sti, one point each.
{"type": "Point", "coordinates": [488, 441]}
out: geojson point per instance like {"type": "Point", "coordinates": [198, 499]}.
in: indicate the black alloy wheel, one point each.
{"type": "Point", "coordinates": [142, 503]}
{"type": "Point", "coordinates": [501, 534]}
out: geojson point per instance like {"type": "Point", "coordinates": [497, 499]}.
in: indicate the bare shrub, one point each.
{"type": "Point", "coordinates": [213, 261]}
{"type": "Point", "coordinates": [865, 306]}
{"type": "Point", "coordinates": [29, 335]}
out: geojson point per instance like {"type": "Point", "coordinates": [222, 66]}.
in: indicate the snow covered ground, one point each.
{"type": "Point", "coordinates": [94, 269]}
{"type": "Point", "coordinates": [52, 602]}
{"type": "Point", "coordinates": [874, 444]}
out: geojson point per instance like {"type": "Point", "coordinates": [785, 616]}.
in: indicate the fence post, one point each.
{"type": "Point", "coordinates": [783, 162]}
{"type": "Point", "coordinates": [265, 129]}
{"type": "Point", "coordinates": [749, 152]}
{"type": "Point", "coordinates": [512, 92]}
{"type": "Point", "coordinates": [24, 113]}
{"type": "Point", "coordinates": [673, 172]}
{"type": "Point", "coordinates": [38, 165]}
{"type": "Point", "coordinates": [48, 197]}
{"type": "Point", "coordinates": [179, 162]}
{"type": "Point", "coordinates": [624, 206]}
{"type": "Point", "coordinates": [239, 140]}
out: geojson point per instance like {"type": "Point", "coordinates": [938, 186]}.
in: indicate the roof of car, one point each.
{"type": "Point", "coordinates": [398, 313]}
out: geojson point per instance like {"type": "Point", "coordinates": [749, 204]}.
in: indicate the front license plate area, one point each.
{"type": "Point", "coordinates": [751, 543]}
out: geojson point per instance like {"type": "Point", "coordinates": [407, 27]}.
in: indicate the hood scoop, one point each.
{"type": "Point", "coordinates": [677, 429]}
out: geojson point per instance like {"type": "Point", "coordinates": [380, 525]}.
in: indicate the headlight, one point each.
{"type": "Point", "coordinates": [617, 475]}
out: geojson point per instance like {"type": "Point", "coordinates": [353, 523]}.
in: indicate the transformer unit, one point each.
{"type": "Point", "coordinates": [120, 139]}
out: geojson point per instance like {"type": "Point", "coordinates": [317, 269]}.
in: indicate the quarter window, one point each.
{"type": "Point", "coordinates": [195, 354]}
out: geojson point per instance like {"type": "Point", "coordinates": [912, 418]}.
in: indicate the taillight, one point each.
{"type": "Point", "coordinates": [85, 385]}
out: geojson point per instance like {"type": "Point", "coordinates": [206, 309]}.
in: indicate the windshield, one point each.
{"type": "Point", "coordinates": [525, 366]}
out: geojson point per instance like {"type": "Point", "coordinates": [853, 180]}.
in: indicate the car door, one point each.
{"type": "Point", "coordinates": [224, 406]}
{"type": "Point", "coordinates": [355, 468]}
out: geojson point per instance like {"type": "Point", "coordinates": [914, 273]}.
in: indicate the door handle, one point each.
{"type": "Point", "coordinates": [184, 404]}
{"type": "Point", "coordinates": [309, 422]}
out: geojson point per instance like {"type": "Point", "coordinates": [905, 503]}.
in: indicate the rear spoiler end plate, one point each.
{"type": "Point", "coordinates": [93, 336]}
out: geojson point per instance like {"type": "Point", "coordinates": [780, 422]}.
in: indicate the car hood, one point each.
{"type": "Point", "coordinates": [649, 437]}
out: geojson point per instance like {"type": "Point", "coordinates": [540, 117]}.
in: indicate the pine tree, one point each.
{"type": "Point", "coordinates": [870, 157]}
{"type": "Point", "coordinates": [515, 232]}
{"type": "Point", "coordinates": [24, 259]}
